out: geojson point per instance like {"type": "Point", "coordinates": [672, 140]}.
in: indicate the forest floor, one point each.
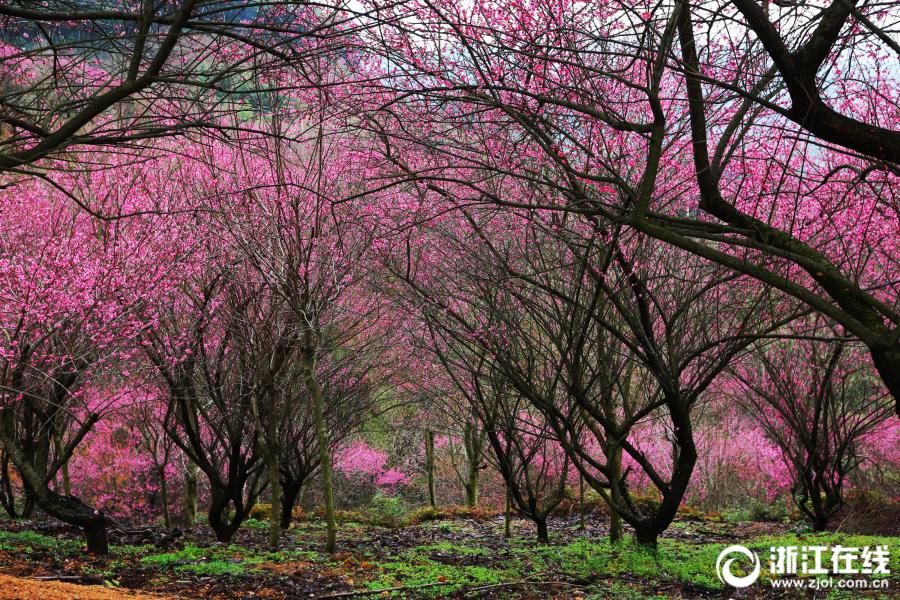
{"type": "Point", "coordinates": [455, 558]}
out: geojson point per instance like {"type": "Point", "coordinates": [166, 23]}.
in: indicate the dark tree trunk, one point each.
{"type": "Point", "coordinates": [73, 511]}
{"type": "Point", "coordinates": [7, 494]}
{"type": "Point", "coordinates": [581, 524]}
{"type": "Point", "coordinates": [64, 470]}
{"type": "Point", "coordinates": [429, 466]}
{"type": "Point", "coordinates": [275, 515]}
{"type": "Point", "coordinates": [473, 458]}
{"type": "Point", "coordinates": [615, 525]}
{"type": "Point", "coordinates": [819, 523]}
{"type": "Point", "coordinates": [27, 508]}
{"type": "Point", "coordinates": [818, 504]}
{"type": "Point", "coordinates": [223, 526]}
{"type": "Point", "coordinates": [507, 514]}
{"type": "Point", "coordinates": [164, 498]}
{"type": "Point", "coordinates": [95, 535]}
{"type": "Point", "coordinates": [322, 437]}
{"type": "Point", "coordinates": [67, 509]}
{"type": "Point", "coordinates": [647, 527]}
{"type": "Point", "coordinates": [472, 487]}
{"type": "Point", "coordinates": [615, 520]}
{"type": "Point", "coordinates": [190, 496]}
{"type": "Point", "coordinates": [684, 463]}
{"type": "Point", "coordinates": [887, 363]}
{"type": "Point", "coordinates": [646, 534]}
{"type": "Point", "coordinates": [290, 493]}
{"type": "Point", "coordinates": [543, 535]}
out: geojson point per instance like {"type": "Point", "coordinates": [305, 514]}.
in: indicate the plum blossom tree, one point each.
{"type": "Point", "coordinates": [580, 232]}
{"type": "Point", "coordinates": [809, 47]}
{"type": "Point", "coordinates": [151, 419]}
{"type": "Point", "coordinates": [113, 469]}
{"type": "Point", "coordinates": [473, 441]}
{"type": "Point", "coordinates": [737, 464]}
{"type": "Point", "coordinates": [521, 444]}
{"type": "Point", "coordinates": [77, 297]}
{"type": "Point", "coordinates": [597, 105]}
{"type": "Point", "coordinates": [817, 401]}
{"type": "Point", "coordinates": [361, 460]}
{"type": "Point", "coordinates": [594, 329]}
{"type": "Point", "coordinates": [198, 357]}
{"type": "Point", "coordinates": [307, 242]}
{"type": "Point", "coordinates": [348, 378]}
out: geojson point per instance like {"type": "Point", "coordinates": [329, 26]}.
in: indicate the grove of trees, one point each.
{"type": "Point", "coordinates": [290, 254]}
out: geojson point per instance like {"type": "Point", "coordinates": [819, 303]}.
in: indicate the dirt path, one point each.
{"type": "Point", "coordinates": [17, 588]}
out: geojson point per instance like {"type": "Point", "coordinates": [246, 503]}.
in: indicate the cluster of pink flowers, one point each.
{"type": "Point", "coordinates": [112, 472]}
{"type": "Point", "coordinates": [359, 459]}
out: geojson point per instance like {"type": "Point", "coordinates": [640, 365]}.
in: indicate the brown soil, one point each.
{"type": "Point", "coordinates": [17, 588]}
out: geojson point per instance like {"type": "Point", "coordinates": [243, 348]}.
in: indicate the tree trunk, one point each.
{"type": "Point", "coordinates": [472, 487]}
{"type": "Point", "coordinates": [67, 509]}
{"type": "Point", "coordinates": [95, 535]}
{"type": "Point", "coordinates": [290, 494]}
{"type": "Point", "coordinates": [818, 511]}
{"type": "Point", "coordinates": [190, 495]}
{"type": "Point", "coordinates": [275, 487]}
{"type": "Point", "coordinates": [473, 458]}
{"type": "Point", "coordinates": [507, 515]}
{"type": "Point", "coordinates": [315, 393]}
{"type": "Point", "coordinates": [543, 535]}
{"type": "Point", "coordinates": [429, 467]}
{"type": "Point", "coordinates": [67, 482]}
{"type": "Point", "coordinates": [64, 470]}
{"type": "Point", "coordinates": [819, 523]}
{"type": "Point", "coordinates": [646, 534]}
{"type": "Point", "coordinates": [581, 524]}
{"type": "Point", "coordinates": [7, 494]}
{"type": "Point", "coordinates": [73, 511]}
{"type": "Point", "coordinates": [164, 498]}
{"type": "Point", "coordinates": [615, 519]}
{"type": "Point", "coordinates": [27, 508]}
{"type": "Point", "coordinates": [223, 524]}
{"type": "Point", "coordinates": [887, 363]}
{"type": "Point", "coordinates": [684, 454]}
{"type": "Point", "coordinates": [615, 525]}
{"type": "Point", "coordinates": [264, 416]}
{"type": "Point", "coordinates": [683, 468]}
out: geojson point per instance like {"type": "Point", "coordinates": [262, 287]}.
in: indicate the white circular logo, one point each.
{"type": "Point", "coordinates": [723, 569]}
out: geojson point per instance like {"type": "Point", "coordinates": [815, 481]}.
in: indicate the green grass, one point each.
{"type": "Point", "coordinates": [176, 558]}
{"type": "Point", "coordinates": [620, 591]}
{"type": "Point", "coordinates": [444, 526]}
{"type": "Point", "coordinates": [231, 560]}
{"type": "Point", "coordinates": [29, 541]}
{"type": "Point", "coordinates": [596, 563]}
{"type": "Point", "coordinates": [582, 560]}
{"type": "Point", "coordinates": [255, 524]}
{"type": "Point", "coordinates": [420, 566]}
{"type": "Point", "coordinates": [422, 571]}
{"type": "Point", "coordinates": [589, 560]}
{"type": "Point", "coordinates": [453, 548]}
{"type": "Point", "coordinates": [673, 560]}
